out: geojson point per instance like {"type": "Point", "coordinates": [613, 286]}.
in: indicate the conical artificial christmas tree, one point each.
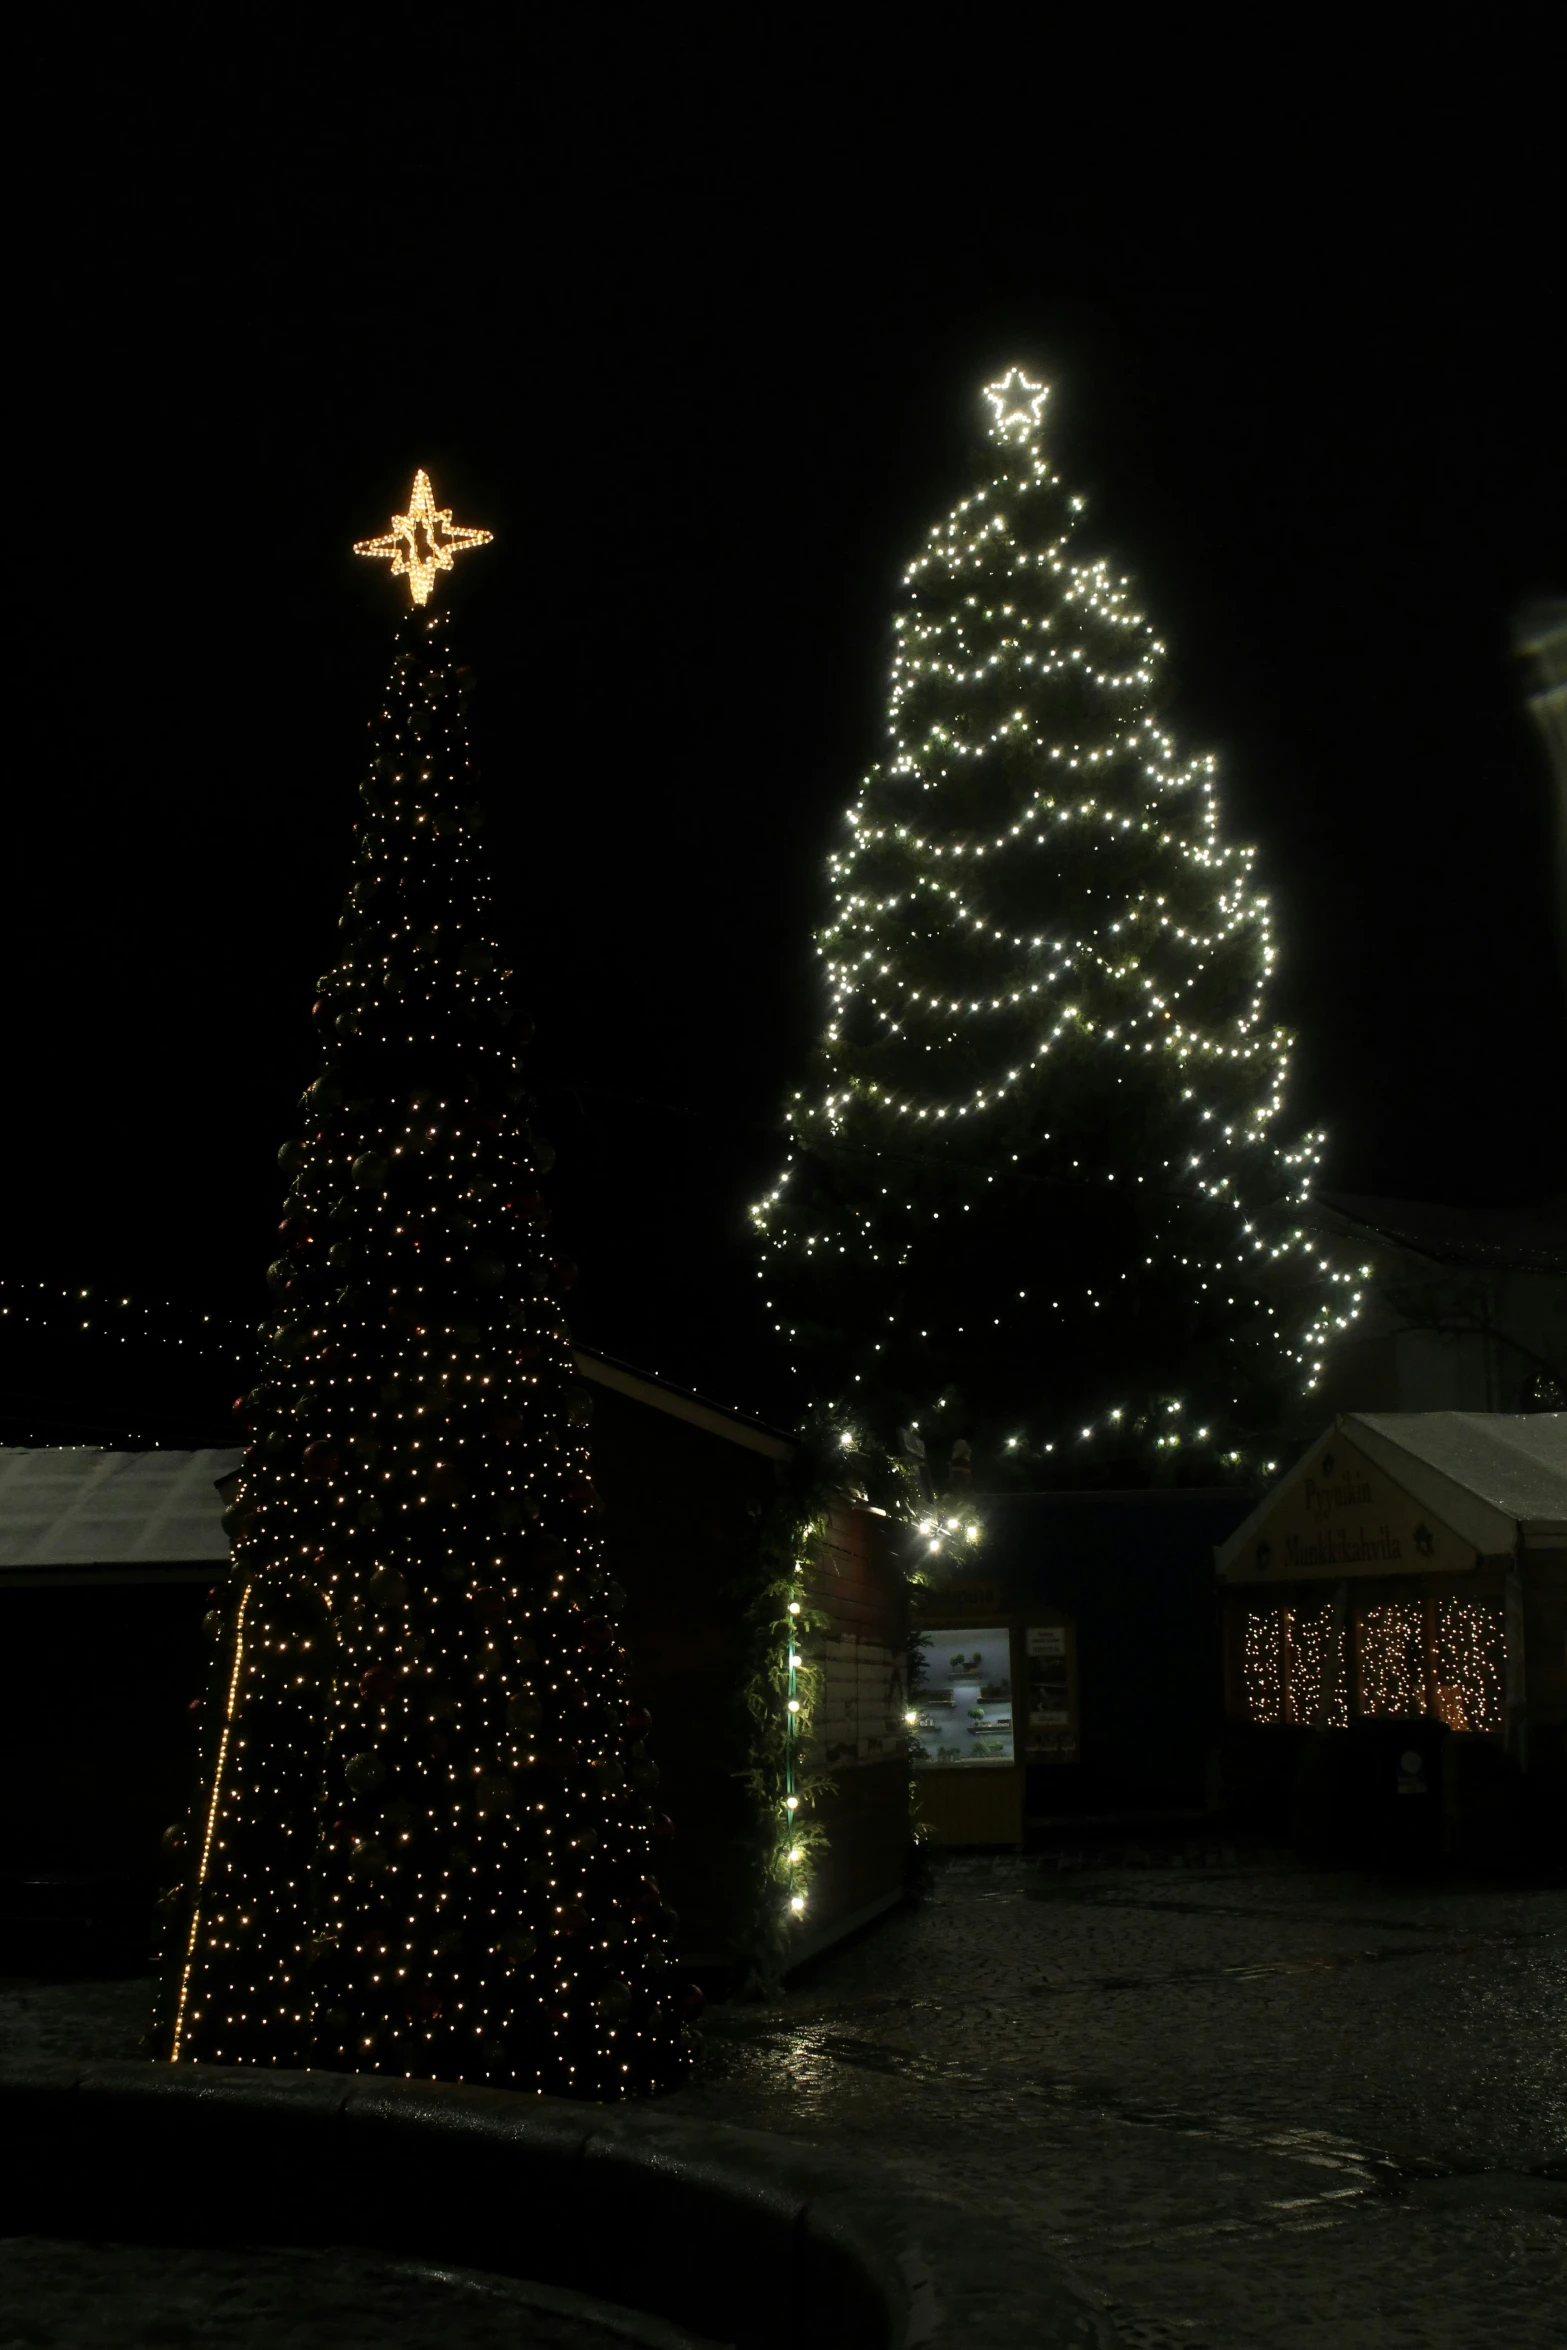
{"type": "Point", "coordinates": [422, 1840]}
{"type": "Point", "coordinates": [1039, 1203]}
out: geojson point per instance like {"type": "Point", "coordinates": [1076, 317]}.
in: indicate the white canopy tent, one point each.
{"type": "Point", "coordinates": [1497, 1479]}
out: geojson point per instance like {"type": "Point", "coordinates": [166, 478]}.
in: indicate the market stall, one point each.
{"type": "Point", "coordinates": [1395, 1634]}
{"type": "Point", "coordinates": [996, 1690]}
{"type": "Point", "coordinates": [108, 1566]}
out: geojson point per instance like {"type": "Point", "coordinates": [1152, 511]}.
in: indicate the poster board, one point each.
{"type": "Point", "coordinates": [1050, 1661]}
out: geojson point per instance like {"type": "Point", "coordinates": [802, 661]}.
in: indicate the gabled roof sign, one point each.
{"type": "Point", "coordinates": [77, 1506]}
{"type": "Point", "coordinates": [1409, 1492]}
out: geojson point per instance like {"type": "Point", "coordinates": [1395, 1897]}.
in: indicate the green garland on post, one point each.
{"type": "Point", "coordinates": [781, 1696]}
{"type": "Point", "coordinates": [916, 1669]}
{"type": "Point", "coordinates": [782, 1683]}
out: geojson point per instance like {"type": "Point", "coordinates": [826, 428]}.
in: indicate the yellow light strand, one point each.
{"type": "Point", "coordinates": [212, 1818]}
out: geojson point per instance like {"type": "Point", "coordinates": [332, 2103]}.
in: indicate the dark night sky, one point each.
{"type": "Point", "coordinates": [694, 318]}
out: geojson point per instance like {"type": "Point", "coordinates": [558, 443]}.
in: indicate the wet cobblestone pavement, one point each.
{"type": "Point", "coordinates": [1244, 2105]}
{"type": "Point", "coordinates": [1247, 2107]}
{"type": "Point", "coordinates": [56, 2296]}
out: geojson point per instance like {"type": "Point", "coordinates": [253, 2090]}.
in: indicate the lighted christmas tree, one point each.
{"type": "Point", "coordinates": [422, 1841]}
{"type": "Point", "coordinates": [1039, 1201]}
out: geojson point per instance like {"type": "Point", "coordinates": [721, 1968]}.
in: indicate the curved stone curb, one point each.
{"type": "Point", "coordinates": [728, 2232]}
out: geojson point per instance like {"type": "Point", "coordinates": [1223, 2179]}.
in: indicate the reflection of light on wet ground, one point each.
{"type": "Point", "coordinates": [818, 2064]}
{"type": "Point", "coordinates": [805, 2067]}
{"type": "Point", "coordinates": [336, 2297]}
{"type": "Point", "coordinates": [1256, 1970]}
{"type": "Point", "coordinates": [1254, 2110]}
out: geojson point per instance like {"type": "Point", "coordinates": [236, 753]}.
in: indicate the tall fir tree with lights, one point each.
{"type": "Point", "coordinates": [1039, 1202]}
{"type": "Point", "coordinates": [422, 1840]}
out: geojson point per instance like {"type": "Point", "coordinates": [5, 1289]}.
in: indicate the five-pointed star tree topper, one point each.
{"type": "Point", "coordinates": [1016, 402]}
{"type": "Point", "coordinates": [422, 541]}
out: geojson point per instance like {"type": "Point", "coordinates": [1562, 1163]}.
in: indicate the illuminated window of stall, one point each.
{"type": "Point", "coordinates": [965, 1702]}
{"type": "Point", "coordinates": [1314, 1691]}
{"type": "Point", "coordinates": [1470, 1647]}
{"type": "Point", "coordinates": [1391, 1656]}
{"type": "Point", "coordinates": [1262, 1665]}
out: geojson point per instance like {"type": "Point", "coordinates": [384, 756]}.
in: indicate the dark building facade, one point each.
{"type": "Point", "coordinates": [1130, 1577]}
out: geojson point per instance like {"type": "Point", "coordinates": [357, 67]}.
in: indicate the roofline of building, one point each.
{"type": "Point", "coordinates": [1453, 1249]}
{"type": "Point", "coordinates": [644, 1387]}
{"type": "Point", "coordinates": [679, 1402]}
{"type": "Point", "coordinates": [1113, 1493]}
{"type": "Point", "coordinates": [663, 1396]}
{"type": "Point", "coordinates": [1468, 1514]}
{"type": "Point", "coordinates": [1494, 1532]}
{"type": "Point", "coordinates": [211, 1571]}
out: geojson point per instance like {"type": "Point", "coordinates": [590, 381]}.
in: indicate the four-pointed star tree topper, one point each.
{"type": "Point", "coordinates": [423, 541]}
{"type": "Point", "coordinates": [1016, 402]}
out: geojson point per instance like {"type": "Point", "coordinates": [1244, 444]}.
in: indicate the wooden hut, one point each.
{"type": "Point", "coordinates": [684, 1485]}
{"type": "Point", "coordinates": [107, 1560]}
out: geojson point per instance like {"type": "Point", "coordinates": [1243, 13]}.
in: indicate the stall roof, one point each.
{"type": "Point", "coordinates": [1530, 1239]}
{"type": "Point", "coordinates": [1498, 1479]}
{"type": "Point", "coordinates": [78, 1506]}
{"type": "Point", "coordinates": [1514, 1462]}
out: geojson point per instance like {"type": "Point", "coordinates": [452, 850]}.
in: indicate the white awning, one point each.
{"type": "Point", "coordinates": [1515, 1463]}
{"type": "Point", "coordinates": [77, 1506]}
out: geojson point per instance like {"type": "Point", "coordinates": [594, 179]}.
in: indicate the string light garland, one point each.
{"type": "Point", "coordinates": [113, 1353]}
{"type": "Point", "coordinates": [422, 1843]}
{"type": "Point", "coordinates": [1425, 1655]}
{"type": "Point", "coordinates": [1470, 1658]}
{"type": "Point", "coordinates": [423, 541]}
{"type": "Point", "coordinates": [1318, 1694]}
{"type": "Point", "coordinates": [784, 1774]}
{"type": "Point", "coordinates": [1292, 1665]}
{"type": "Point", "coordinates": [1044, 960]}
{"type": "Point", "coordinates": [1262, 1665]}
{"type": "Point", "coordinates": [1391, 1645]}
{"type": "Point", "coordinates": [832, 1466]}
{"type": "Point", "coordinates": [70, 1308]}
